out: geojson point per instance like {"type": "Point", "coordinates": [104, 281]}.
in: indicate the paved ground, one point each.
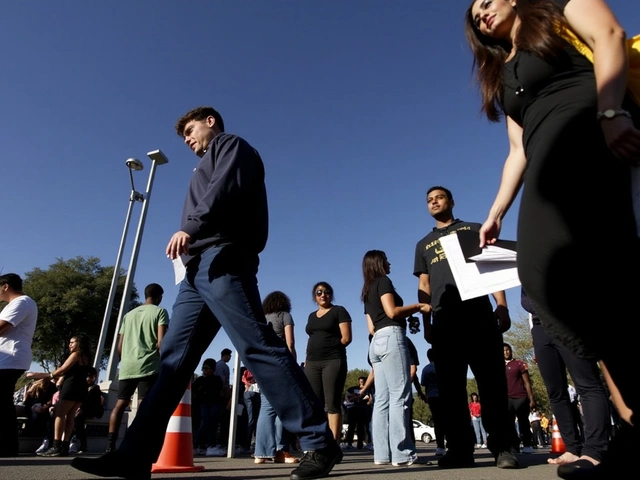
{"type": "Point", "coordinates": [357, 465]}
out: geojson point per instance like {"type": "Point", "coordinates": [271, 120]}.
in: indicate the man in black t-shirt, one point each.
{"type": "Point", "coordinates": [463, 334]}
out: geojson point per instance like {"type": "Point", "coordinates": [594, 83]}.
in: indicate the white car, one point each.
{"type": "Point", "coordinates": [423, 432]}
{"type": "Point", "coordinates": [420, 430]}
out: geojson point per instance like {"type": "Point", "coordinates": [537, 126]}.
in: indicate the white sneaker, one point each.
{"type": "Point", "coordinates": [440, 452]}
{"type": "Point", "coordinates": [527, 450]}
{"type": "Point", "coordinates": [412, 459]}
{"type": "Point", "coordinates": [478, 446]}
{"type": "Point", "coordinates": [215, 452]}
{"type": "Point", "coordinates": [44, 446]}
{"type": "Point", "coordinates": [484, 445]}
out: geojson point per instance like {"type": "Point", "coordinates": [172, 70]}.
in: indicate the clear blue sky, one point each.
{"type": "Point", "coordinates": [357, 108]}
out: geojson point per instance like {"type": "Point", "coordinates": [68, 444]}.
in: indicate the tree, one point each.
{"type": "Point", "coordinates": [72, 296]}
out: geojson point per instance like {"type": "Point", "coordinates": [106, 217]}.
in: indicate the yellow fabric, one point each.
{"type": "Point", "coordinates": [633, 54]}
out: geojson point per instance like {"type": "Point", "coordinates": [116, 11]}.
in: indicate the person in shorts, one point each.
{"type": "Point", "coordinates": [141, 333]}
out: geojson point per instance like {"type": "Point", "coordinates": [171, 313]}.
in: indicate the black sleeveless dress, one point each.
{"type": "Point", "coordinates": [75, 386]}
{"type": "Point", "coordinates": [573, 187]}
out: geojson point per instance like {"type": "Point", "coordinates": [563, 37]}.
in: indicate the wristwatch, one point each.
{"type": "Point", "coordinates": [610, 113]}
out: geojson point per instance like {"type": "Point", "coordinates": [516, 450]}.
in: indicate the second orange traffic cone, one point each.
{"type": "Point", "coordinates": [177, 452]}
{"type": "Point", "coordinates": [557, 444]}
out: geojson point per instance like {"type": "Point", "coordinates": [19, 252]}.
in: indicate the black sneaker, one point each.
{"type": "Point", "coordinates": [453, 460]}
{"type": "Point", "coordinates": [506, 459]}
{"type": "Point", "coordinates": [112, 465]}
{"type": "Point", "coordinates": [318, 463]}
{"type": "Point", "coordinates": [55, 451]}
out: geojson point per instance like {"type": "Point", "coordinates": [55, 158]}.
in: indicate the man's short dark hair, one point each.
{"type": "Point", "coordinates": [430, 354]}
{"type": "Point", "coordinates": [209, 362]}
{"type": "Point", "coordinates": [506, 345]}
{"type": "Point", "coordinates": [13, 280]}
{"type": "Point", "coordinates": [445, 190]}
{"type": "Point", "coordinates": [91, 371]}
{"type": "Point", "coordinates": [153, 290]}
{"type": "Point", "coordinates": [224, 352]}
{"type": "Point", "coordinates": [198, 113]}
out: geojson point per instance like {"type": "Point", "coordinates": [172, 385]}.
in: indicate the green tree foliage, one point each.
{"type": "Point", "coordinates": [71, 296]}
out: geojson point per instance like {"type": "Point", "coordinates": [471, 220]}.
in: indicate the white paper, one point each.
{"type": "Point", "coordinates": [179, 270]}
{"type": "Point", "coordinates": [491, 253]}
{"type": "Point", "coordinates": [475, 279]}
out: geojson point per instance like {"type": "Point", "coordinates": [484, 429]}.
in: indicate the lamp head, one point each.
{"type": "Point", "coordinates": [134, 164]}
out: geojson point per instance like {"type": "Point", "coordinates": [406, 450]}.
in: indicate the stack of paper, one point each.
{"type": "Point", "coordinates": [480, 271]}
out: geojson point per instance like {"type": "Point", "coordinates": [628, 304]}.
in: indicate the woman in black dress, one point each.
{"type": "Point", "coordinates": [72, 393]}
{"type": "Point", "coordinates": [572, 139]}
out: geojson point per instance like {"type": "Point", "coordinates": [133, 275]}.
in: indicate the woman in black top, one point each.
{"type": "Point", "coordinates": [329, 330]}
{"type": "Point", "coordinates": [72, 393]}
{"type": "Point", "coordinates": [572, 138]}
{"type": "Point", "coordinates": [389, 355]}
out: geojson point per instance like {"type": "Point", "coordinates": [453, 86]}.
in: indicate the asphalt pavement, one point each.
{"type": "Point", "coordinates": [357, 465]}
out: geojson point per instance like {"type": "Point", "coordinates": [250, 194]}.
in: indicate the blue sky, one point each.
{"type": "Point", "coordinates": [357, 108]}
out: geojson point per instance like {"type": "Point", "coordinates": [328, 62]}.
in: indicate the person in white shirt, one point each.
{"type": "Point", "coordinates": [17, 325]}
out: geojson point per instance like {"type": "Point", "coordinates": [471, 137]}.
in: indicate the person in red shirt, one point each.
{"type": "Point", "coordinates": [521, 399]}
{"type": "Point", "coordinates": [476, 419]}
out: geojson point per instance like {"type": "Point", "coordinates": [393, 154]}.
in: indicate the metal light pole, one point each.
{"type": "Point", "coordinates": [157, 158]}
{"type": "Point", "coordinates": [132, 164]}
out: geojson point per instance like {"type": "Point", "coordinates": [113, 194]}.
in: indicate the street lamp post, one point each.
{"type": "Point", "coordinates": [132, 164]}
{"type": "Point", "coordinates": [157, 158]}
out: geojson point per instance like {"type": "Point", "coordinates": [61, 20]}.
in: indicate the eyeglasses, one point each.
{"type": "Point", "coordinates": [319, 293]}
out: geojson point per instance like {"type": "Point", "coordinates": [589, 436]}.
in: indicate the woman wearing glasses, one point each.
{"type": "Point", "coordinates": [329, 330]}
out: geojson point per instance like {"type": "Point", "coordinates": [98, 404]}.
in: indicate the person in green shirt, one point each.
{"type": "Point", "coordinates": [141, 334]}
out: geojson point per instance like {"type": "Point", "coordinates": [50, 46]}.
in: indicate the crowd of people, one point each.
{"type": "Point", "coordinates": [573, 135]}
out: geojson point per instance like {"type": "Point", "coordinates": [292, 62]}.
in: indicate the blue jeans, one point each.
{"type": "Point", "coordinates": [252, 404]}
{"type": "Point", "coordinates": [208, 429]}
{"type": "Point", "coordinates": [389, 356]}
{"type": "Point", "coordinates": [221, 289]}
{"type": "Point", "coordinates": [481, 435]}
{"type": "Point", "coordinates": [269, 432]}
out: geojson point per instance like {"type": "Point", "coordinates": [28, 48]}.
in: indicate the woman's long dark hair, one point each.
{"type": "Point", "coordinates": [372, 268]}
{"type": "Point", "coordinates": [540, 21]}
{"type": "Point", "coordinates": [84, 348]}
{"type": "Point", "coordinates": [276, 302]}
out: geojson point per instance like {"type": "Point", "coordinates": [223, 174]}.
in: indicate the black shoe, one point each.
{"type": "Point", "coordinates": [55, 451]}
{"type": "Point", "coordinates": [318, 463]}
{"type": "Point", "coordinates": [455, 460]}
{"type": "Point", "coordinates": [112, 465]}
{"type": "Point", "coordinates": [506, 459]}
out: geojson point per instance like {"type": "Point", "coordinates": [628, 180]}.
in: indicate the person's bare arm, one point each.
{"type": "Point", "coordinates": [527, 386]}
{"type": "Point", "coordinates": [120, 343]}
{"type": "Point", "coordinates": [162, 331]}
{"type": "Point", "coordinates": [395, 312]}
{"type": "Point", "coordinates": [290, 340]}
{"type": "Point", "coordinates": [424, 296]}
{"type": "Point", "coordinates": [512, 177]}
{"type": "Point", "coordinates": [345, 333]}
{"type": "Point", "coordinates": [501, 311]}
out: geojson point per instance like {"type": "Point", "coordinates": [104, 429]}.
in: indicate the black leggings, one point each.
{"type": "Point", "coordinates": [327, 379]}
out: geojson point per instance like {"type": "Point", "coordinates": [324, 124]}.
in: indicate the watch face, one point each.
{"type": "Point", "coordinates": [609, 113]}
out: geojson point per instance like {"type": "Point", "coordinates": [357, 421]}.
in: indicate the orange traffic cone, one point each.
{"type": "Point", "coordinates": [557, 444]}
{"type": "Point", "coordinates": [177, 451]}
